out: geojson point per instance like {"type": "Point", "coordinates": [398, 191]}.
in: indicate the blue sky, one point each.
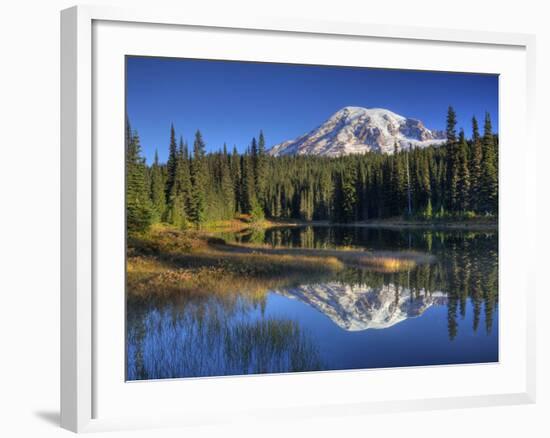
{"type": "Point", "coordinates": [231, 101]}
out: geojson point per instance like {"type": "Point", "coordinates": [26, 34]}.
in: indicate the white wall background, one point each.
{"type": "Point", "coordinates": [29, 215]}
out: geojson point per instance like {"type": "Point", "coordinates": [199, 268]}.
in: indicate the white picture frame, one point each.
{"type": "Point", "coordinates": [82, 248]}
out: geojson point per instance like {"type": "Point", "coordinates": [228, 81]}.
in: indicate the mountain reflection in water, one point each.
{"type": "Point", "coordinates": [359, 307]}
{"type": "Point", "coordinates": [439, 313]}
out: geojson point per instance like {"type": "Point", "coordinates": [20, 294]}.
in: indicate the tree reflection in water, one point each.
{"type": "Point", "coordinates": [212, 335]}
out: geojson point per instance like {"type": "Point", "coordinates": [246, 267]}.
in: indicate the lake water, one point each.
{"type": "Point", "coordinates": [444, 312]}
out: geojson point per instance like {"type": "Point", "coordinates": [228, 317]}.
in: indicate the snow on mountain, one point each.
{"type": "Point", "coordinates": [356, 130]}
{"type": "Point", "coordinates": [361, 307]}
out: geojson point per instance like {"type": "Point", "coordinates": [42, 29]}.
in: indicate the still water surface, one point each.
{"type": "Point", "coordinates": [445, 312]}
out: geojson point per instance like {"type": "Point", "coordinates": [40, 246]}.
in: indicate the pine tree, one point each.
{"type": "Point", "coordinates": [397, 187]}
{"type": "Point", "coordinates": [261, 163]}
{"type": "Point", "coordinates": [425, 189]}
{"type": "Point", "coordinates": [362, 190]}
{"type": "Point", "coordinates": [475, 167]}
{"type": "Point", "coordinates": [139, 214]}
{"type": "Point", "coordinates": [349, 198]}
{"type": "Point", "coordinates": [235, 168]}
{"type": "Point", "coordinates": [489, 170]}
{"type": "Point", "coordinates": [184, 176]}
{"type": "Point", "coordinates": [158, 197]}
{"type": "Point", "coordinates": [451, 125]}
{"type": "Point", "coordinates": [199, 178]}
{"type": "Point", "coordinates": [408, 174]}
{"type": "Point", "coordinates": [177, 215]}
{"type": "Point", "coordinates": [254, 159]}
{"type": "Point", "coordinates": [128, 135]}
{"type": "Point", "coordinates": [452, 161]}
{"type": "Point", "coordinates": [181, 190]}
{"type": "Point", "coordinates": [176, 212]}
{"type": "Point", "coordinates": [226, 187]}
{"type": "Point", "coordinates": [306, 202]}
{"type": "Point", "coordinates": [463, 186]}
{"type": "Point", "coordinates": [248, 192]}
{"type": "Point", "coordinates": [345, 197]}
{"type": "Point", "coordinates": [171, 164]}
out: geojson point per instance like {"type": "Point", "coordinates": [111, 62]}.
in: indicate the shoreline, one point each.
{"type": "Point", "coordinates": [168, 261]}
{"type": "Point", "coordinates": [410, 225]}
{"type": "Point", "coordinates": [473, 225]}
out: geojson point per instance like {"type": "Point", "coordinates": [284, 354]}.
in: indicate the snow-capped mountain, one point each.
{"type": "Point", "coordinates": [356, 130]}
{"type": "Point", "coordinates": [361, 307]}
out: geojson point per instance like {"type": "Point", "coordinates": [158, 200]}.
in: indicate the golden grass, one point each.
{"type": "Point", "coordinates": [167, 261]}
{"type": "Point", "coordinates": [381, 260]}
{"type": "Point", "coordinates": [148, 275]}
{"type": "Point", "coordinates": [241, 222]}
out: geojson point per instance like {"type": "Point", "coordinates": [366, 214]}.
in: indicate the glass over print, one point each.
{"type": "Point", "coordinates": [293, 218]}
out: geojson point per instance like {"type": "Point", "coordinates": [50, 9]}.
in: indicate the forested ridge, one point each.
{"type": "Point", "coordinates": [456, 180]}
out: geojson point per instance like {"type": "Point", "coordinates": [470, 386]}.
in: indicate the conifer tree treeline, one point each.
{"type": "Point", "coordinates": [457, 179]}
{"type": "Point", "coordinates": [139, 210]}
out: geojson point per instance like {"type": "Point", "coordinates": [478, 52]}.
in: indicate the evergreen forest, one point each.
{"type": "Point", "coordinates": [457, 180]}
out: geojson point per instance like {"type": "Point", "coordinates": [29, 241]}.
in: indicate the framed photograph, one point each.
{"type": "Point", "coordinates": [280, 218]}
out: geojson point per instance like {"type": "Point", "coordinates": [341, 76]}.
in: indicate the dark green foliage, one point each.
{"type": "Point", "coordinates": [225, 183]}
{"type": "Point", "coordinates": [199, 180]}
{"type": "Point", "coordinates": [458, 179]}
{"type": "Point", "coordinates": [248, 188]}
{"type": "Point", "coordinates": [171, 163]}
{"type": "Point", "coordinates": [345, 197]}
{"type": "Point", "coordinates": [178, 198]}
{"type": "Point", "coordinates": [260, 171]}
{"type": "Point", "coordinates": [183, 176]}
{"type": "Point", "coordinates": [463, 172]}
{"type": "Point", "coordinates": [158, 197]}
{"type": "Point", "coordinates": [222, 201]}
{"type": "Point", "coordinates": [475, 167]}
{"type": "Point", "coordinates": [235, 174]}
{"type": "Point", "coordinates": [139, 212]}
{"type": "Point", "coordinates": [452, 161]}
{"type": "Point", "coordinates": [451, 125]}
{"type": "Point", "coordinates": [489, 170]}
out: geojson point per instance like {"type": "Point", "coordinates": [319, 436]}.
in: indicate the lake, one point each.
{"type": "Point", "coordinates": [443, 312]}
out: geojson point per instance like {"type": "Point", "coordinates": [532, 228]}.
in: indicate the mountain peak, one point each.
{"type": "Point", "coordinates": [356, 130]}
{"type": "Point", "coordinates": [356, 111]}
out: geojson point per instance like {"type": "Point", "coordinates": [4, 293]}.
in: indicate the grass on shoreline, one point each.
{"type": "Point", "coordinates": [148, 275]}
{"type": "Point", "coordinates": [244, 222]}
{"type": "Point", "coordinates": [166, 261]}
{"type": "Point", "coordinates": [388, 261]}
{"type": "Point", "coordinates": [478, 224]}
